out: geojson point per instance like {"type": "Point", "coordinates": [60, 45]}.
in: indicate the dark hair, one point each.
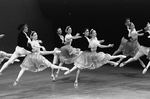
{"type": "Point", "coordinates": [59, 29]}
{"type": "Point", "coordinates": [21, 26]}
{"type": "Point", "coordinates": [67, 28]}
{"type": "Point", "coordinates": [127, 18]}
{"type": "Point", "coordinates": [31, 34]}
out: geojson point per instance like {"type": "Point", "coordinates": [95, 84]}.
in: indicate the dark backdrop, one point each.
{"type": "Point", "coordinates": [15, 12]}
{"type": "Point", "coordinates": [107, 17]}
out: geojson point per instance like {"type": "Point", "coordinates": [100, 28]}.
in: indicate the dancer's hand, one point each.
{"type": "Point", "coordinates": [40, 41]}
{"type": "Point", "coordinates": [2, 35]}
{"type": "Point", "coordinates": [56, 50]}
{"type": "Point", "coordinates": [101, 41]}
{"type": "Point", "coordinates": [43, 48]}
{"type": "Point", "coordinates": [77, 34]}
{"type": "Point", "coordinates": [111, 45]}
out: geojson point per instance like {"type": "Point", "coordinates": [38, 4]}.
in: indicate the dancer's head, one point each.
{"type": "Point", "coordinates": [127, 23]}
{"type": "Point", "coordinates": [59, 31]}
{"type": "Point", "coordinates": [68, 30]}
{"type": "Point", "coordinates": [33, 35]}
{"type": "Point", "coordinates": [132, 25]}
{"type": "Point", "coordinates": [93, 33]}
{"type": "Point", "coordinates": [23, 27]}
{"type": "Point", "coordinates": [86, 32]}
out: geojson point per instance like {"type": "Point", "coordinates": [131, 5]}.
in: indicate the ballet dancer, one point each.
{"type": "Point", "coordinates": [21, 49]}
{"type": "Point", "coordinates": [92, 59]}
{"type": "Point", "coordinates": [66, 56]}
{"type": "Point", "coordinates": [34, 61]}
{"type": "Point", "coordinates": [130, 47]}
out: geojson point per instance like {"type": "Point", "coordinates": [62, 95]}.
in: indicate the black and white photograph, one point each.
{"type": "Point", "coordinates": [74, 49]}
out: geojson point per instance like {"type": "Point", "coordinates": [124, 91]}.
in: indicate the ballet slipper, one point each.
{"type": "Point", "coordinates": [144, 71]}
{"type": "Point", "coordinates": [15, 83]}
{"type": "Point", "coordinates": [64, 68]}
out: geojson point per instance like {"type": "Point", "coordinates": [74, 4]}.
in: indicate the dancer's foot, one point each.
{"type": "Point", "coordinates": [67, 72]}
{"type": "Point", "coordinates": [53, 78]}
{"type": "Point", "coordinates": [143, 66]}
{"type": "Point", "coordinates": [64, 68]}
{"type": "Point", "coordinates": [75, 84]}
{"type": "Point", "coordinates": [17, 60]}
{"type": "Point", "coordinates": [15, 83]}
{"type": "Point", "coordinates": [123, 56]}
{"type": "Point", "coordinates": [121, 65]}
{"type": "Point", "coordinates": [144, 71]}
{"type": "Point", "coordinates": [115, 64]}
{"type": "Point", "coordinates": [56, 75]}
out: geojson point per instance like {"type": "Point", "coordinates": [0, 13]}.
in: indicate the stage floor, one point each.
{"type": "Point", "coordinates": [107, 82]}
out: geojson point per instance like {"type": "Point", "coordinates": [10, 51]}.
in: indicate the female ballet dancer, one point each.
{"type": "Point", "coordinates": [21, 49]}
{"type": "Point", "coordinates": [130, 47]}
{"type": "Point", "coordinates": [92, 59]}
{"type": "Point", "coordinates": [35, 62]}
{"type": "Point", "coordinates": [94, 42]}
{"type": "Point", "coordinates": [66, 55]}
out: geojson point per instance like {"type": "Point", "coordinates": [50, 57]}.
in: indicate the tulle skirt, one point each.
{"type": "Point", "coordinates": [66, 56]}
{"type": "Point", "coordinates": [131, 47]}
{"type": "Point", "coordinates": [91, 60]}
{"type": "Point", "coordinates": [35, 62]}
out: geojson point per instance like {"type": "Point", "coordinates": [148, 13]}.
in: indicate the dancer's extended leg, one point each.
{"type": "Point", "coordinates": [77, 76]}
{"type": "Point", "coordinates": [55, 60]}
{"type": "Point", "coordinates": [137, 56]}
{"type": "Point", "coordinates": [141, 62]}
{"type": "Point", "coordinates": [57, 73]}
{"type": "Point", "coordinates": [117, 56]}
{"type": "Point", "coordinates": [19, 76]}
{"type": "Point", "coordinates": [11, 60]}
{"type": "Point", "coordinates": [113, 63]}
{"type": "Point", "coordinates": [146, 68]}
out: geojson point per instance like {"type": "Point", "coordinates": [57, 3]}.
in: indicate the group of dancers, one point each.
{"type": "Point", "coordinates": [34, 61]}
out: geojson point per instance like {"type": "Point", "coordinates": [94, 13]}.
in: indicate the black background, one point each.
{"type": "Point", "coordinates": [107, 17]}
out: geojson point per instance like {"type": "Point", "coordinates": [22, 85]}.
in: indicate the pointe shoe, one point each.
{"type": "Point", "coordinates": [123, 56]}
{"type": "Point", "coordinates": [116, 64]}
{"type": "Point", "coordinates": [17, 60]}
{"type": "Point", "coordinates": [144, 71]}
{"type": "Point", "coordinates": [15, 83]}
{"type": "Point", "coordinates": [53, 78]}
{"type": "Point", "coordinates": [64, 68]}
{"type": "Point", "coordinates": [56, 75]}
{"type": "Point", "coordinates": [121, 65]}
{"type": "Point", "coordinates": [67, 72]}
{"type": "Point", "coordinates": [75, 84]}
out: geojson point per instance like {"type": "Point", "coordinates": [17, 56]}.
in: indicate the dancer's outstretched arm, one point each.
{"type": "Point", "coordinates": [105, 46]}
{"type": "Point", "coordinates": [77, 36]}
{"type": "Point", "coordinates": [2, 35]}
